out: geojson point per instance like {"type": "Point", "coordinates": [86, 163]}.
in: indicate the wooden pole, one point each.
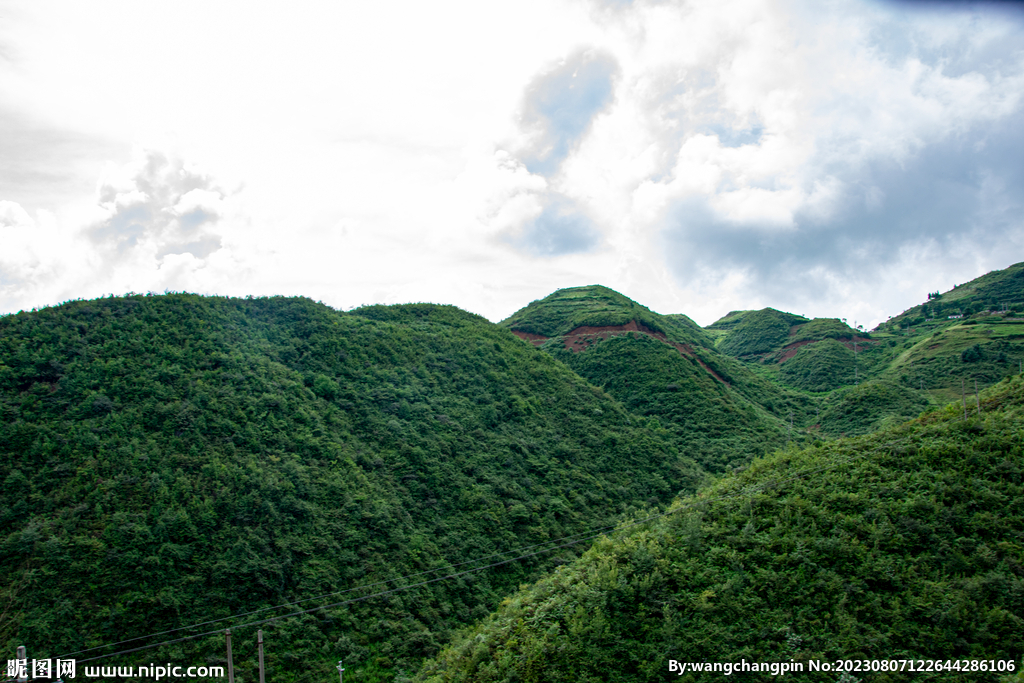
{"type": "Point", "coordinates": [259, 642]}
{"type": "Point", "coordinates": [963, 397]}
{"type": "Point", "coordinates": [976, 397]}
{"type": "Point", "coordinates": [231, 660]}
{"type": "Point", "coordinates": [23, 657]}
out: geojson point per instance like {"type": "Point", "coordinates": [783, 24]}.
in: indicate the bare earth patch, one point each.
{"type": "Point", "coordinates": [581, 338]}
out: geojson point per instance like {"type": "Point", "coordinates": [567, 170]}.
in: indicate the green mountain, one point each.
{"type": "Point", "coordinates": [663, 367]}
{"type": "Point", "coordinates": [172, 460]}
{"type": "Point", "coordinates": [771, 335]}
{"type": "Point", "coordinates": [935, 352]}
{"type": "Point", "coordinates": [180, 464]}
{"type": "Point", "coordinates": [997, 291]}
{"type": "Point", "coordinates": [904, 544]}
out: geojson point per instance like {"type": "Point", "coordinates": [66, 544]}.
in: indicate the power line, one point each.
{"type": "Point", "coordinates": [341, 592]}
{"type": "Point", "coordinates": [749, 491]}
{"type": "Point", "coordinates": [347, 590]}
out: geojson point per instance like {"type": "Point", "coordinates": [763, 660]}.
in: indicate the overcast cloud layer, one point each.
{"type": "Point", "coordinates": [831, 159]}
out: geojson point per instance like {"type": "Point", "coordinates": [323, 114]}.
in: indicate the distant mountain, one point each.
{"type": "Point", "coordinates": [895, 546]}
{"type": "Point", "coordinates": [932, 353]}
{"type": "Point", "coordinates": [771, 335]}
{"type": "Point", "coordinates": [974, 333]}
{"type": "Point", "coordinates": [997, 291]}
{"type": "Point", "coordinates": [572, 311]}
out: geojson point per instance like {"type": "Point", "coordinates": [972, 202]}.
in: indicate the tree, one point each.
{"type": "Point", "coordinates": [971, 355]}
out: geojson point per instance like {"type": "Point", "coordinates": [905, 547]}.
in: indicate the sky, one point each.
{"type": "Point", "coordinates": [831, 159]}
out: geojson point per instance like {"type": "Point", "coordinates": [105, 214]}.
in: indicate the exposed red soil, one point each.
{"type": "Point", "coordinates": [535, 339]}
{"type": "Point", "coordinates": [631, 326]}
{"type": "Point", "coordinates": [685, 350]}
{"type": "Point", "coordinates": [789, 350]}
{"type": "Point", "coordinates": [582, 337]}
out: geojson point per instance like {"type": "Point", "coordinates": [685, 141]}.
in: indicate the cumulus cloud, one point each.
{"type": "Point", "coordinates": [832, 158]}
{"type": "Point", "coordinates": [848, 180]}
{"type": "Point", "coordinates": [157, 206]}
{"type": "Point", "coordinates": [558, 110]}
{"type": "Point", "coordinates": [33, 258]}
{"type": "Point", "coordinates": [155, 224]}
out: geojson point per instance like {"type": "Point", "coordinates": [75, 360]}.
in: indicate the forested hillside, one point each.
{"type": "Point", "coordinates": [664, 367]}
{"type": "Point", "coordinates": [179, 464]}
{"type": "Point", "coordinates": [174, 459]}
{"type": "Point", "coordinates": [905, 544]}
{"type": "Point", "coordinates": [939, 351]}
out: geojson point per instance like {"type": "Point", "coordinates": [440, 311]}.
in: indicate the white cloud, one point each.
{"type": "Point", "coordinates": [716, 155]}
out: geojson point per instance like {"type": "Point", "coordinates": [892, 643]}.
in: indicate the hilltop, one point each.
{"type": "Point", "coordinates": [903, 544]}
{"type": "Point", "coordinates": [971, 333]}
{"type": "Point", "coordinates": [999, 291]}
{"type": "Point", "coordinates": [663, 367]}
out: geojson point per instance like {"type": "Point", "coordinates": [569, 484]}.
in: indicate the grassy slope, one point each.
{"type": "Point", "coordinates": [178, 458]}
{"type": "Point", "coordinates": [905, 543]}
{"type": "Point", "coordinates": [932, 346]}
{"type": "Point", "coordinates": [936, 360]}
{"type": "Point", "coordinates": [991, 291]}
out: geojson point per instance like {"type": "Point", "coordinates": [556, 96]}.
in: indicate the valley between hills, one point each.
{"type": "Point", "coordinates": [583, 491]}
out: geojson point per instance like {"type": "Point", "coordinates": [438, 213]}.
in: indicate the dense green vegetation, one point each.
{"type": "Point", "coordinates": [712, 406]}
{"type": "Point", "coordinates": [708, 421]}
{"type": "Point", "coordinates": [868, 407]}
{"type": "Point", "coordinates": [824, 366]}
{"type": "Point", "coordinates": [174, 459]}
{"type": "Point", "coordinates": [908, 543]}
{"type": "Point", "coordinates": [759, 332]}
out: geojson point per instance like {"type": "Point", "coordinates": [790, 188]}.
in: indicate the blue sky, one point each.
{"type": "Point", "coordinates": [827, 158]}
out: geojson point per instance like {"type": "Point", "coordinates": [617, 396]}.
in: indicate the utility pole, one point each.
{"type": "Point", "coordinates": [231, 661]}
{"type": "Point", "coordinates": [963, 397]}
{"type": "Point", "coordinates": [259, 643]}
{"type": "Point", "coordinates": [341, 672]}
{"type": "Point", "coordinates": [976, 397]}
{"type": "Point", "coordinates": [23, 657]}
